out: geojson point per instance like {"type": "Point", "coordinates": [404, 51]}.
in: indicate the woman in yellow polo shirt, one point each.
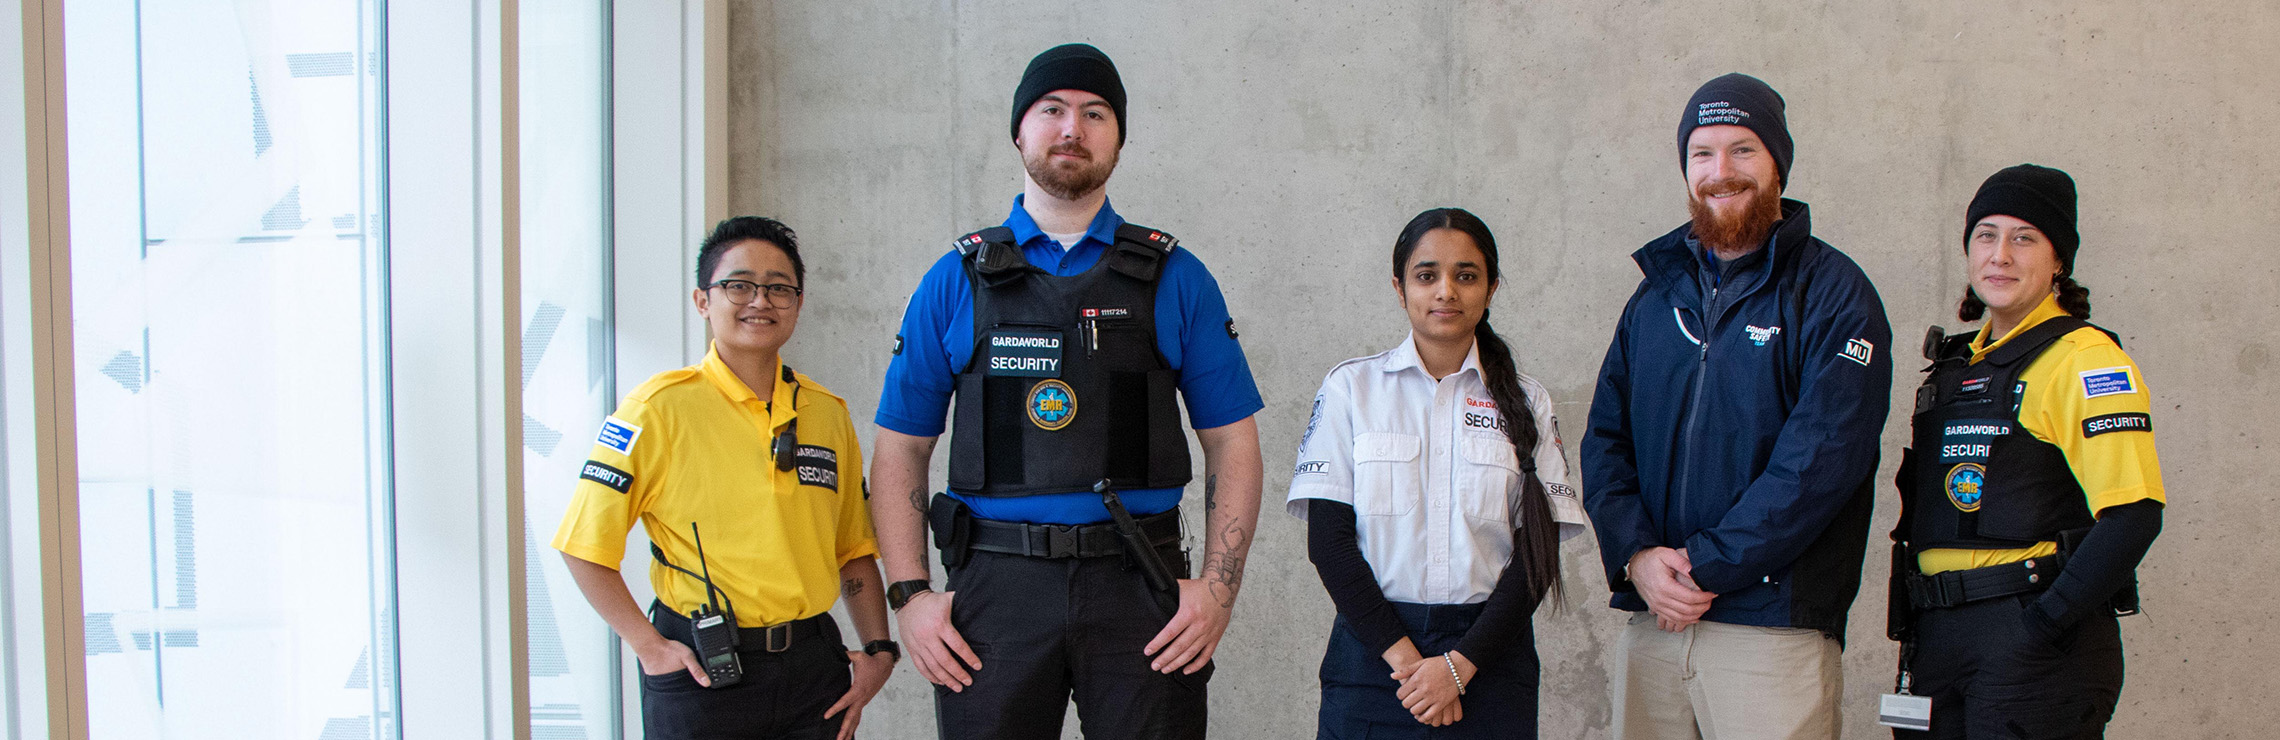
{"type": "Point", "coordinates": [2030, 492]}
{"type": "Point", "coordinates": [748, 480]}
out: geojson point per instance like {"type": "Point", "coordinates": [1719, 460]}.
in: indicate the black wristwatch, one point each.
{"type": "Point", "coordinates": [889, 647]}
{"type": "Point", "coordinates": [899, 592]}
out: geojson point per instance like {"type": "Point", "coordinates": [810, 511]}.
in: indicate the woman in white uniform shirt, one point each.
{"type": "Point", "coordinates": [1432, 533]}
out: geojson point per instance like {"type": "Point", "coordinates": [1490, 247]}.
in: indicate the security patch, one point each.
{"type": "Point", "coordinates": [1113, 312]}
{"type": "Point", "coordinates": [1966, 484]}
{"type": "Point", "coordinates": [2111, 381]}
{"type": "Point", "coordinates": [1313, 419]}
{"type": "Point", "coordinates": [618, 435]}
{"type": "Point", "coordinates": [1559, 489]}
{"type": "Point", "coordinates": [1052, 405]}
{"type": "Point", "coordinates": [1858, 350]}
{"type": "Point", "coordinates": [816, 466]}
{"type": "Point", "coordinates": [2098, 425]}
{"type": "Point", "coordinates": [1970, 440]}
{"type": "Point", "coordinates": [617, 480]}
{"type": "Point", "coordinates": [1312, 467]}
{"type": "Point", "coordinates": [1035, 354]}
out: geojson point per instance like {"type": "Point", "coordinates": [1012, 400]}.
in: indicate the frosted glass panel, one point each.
{"type": "Point", "coordinates": [567, 384]}
{"type": "Point", "coordinates": [227, 299]}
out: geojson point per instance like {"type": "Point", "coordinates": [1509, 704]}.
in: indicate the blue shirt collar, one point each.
{"type": "Point", "coordinates": [1025, 230]}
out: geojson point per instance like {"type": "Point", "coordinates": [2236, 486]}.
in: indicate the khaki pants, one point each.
{"type": "Point", "coordinates": [1717, 681]}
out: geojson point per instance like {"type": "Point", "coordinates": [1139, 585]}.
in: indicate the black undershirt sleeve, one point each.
{"type": "Point", "coordinates": [2099, 567]}
{"type": "Point", "coordinates": [1509, 611]}
{"type": "Point", "coordinates": [1334, 545]}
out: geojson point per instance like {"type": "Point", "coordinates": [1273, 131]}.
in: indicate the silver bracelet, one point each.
{"type": "Point", "coordinates": [1453, 673]}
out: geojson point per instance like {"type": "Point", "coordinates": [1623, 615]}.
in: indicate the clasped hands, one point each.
{"type": "Point", "coordinates": [1665, 578]}
{"type": "Point", "coordinates": [1428, 690]}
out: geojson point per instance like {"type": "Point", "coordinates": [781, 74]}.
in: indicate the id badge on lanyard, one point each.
{"type": "Point", "coordinates": [1903, 710]}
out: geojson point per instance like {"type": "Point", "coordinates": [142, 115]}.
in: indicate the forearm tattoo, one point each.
{"type": "Point", "coordinates": [1223, 565]}
{"type": "Point", "coordinates": [851, 587]}
{"type": "Point", "coordinates": [1211, 492]}
{"type": "Point", "coordinates": [918, 500]}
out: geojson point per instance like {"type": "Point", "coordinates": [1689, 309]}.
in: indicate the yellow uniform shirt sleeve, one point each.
{"type": "Point", "coordinates": [2094, 406]}
{"type": "Point", "coordinates": [619, 479]}
{"type": "Point", "coordinates": [855, 536]}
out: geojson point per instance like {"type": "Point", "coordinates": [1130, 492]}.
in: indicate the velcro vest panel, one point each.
{"type": "Point", "coordinates": [1066, 386]}
{"type": "Point", "coordinates": [1981, 481]}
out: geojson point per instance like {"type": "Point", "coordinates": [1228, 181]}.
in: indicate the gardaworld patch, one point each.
{"type": "Point", "coordinates": [2111, 381]}
{"type": "Point", "coordinates": [618, 435]}
{"type": "Point", "coordinates": [2106, 423]}
{"type": "Point", "coordinates": [816, 466]}
{"type": "Point", "coordinates": [617, 480]}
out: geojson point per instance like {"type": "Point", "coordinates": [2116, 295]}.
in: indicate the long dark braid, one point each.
{"type": "Point", "coordinates": [1536, 542]}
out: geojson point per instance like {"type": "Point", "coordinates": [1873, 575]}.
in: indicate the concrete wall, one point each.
{"type": "Point", "coordinates": [1287, 142]}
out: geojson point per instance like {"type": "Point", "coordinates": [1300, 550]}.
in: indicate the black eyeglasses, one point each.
{"type": "Point", "coordinates": [741, 292]}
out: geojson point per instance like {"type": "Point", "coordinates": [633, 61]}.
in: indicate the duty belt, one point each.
{"type": "Point", "coordinates": [1960, 587]}
{"type": "Point", "coordinates": [774, 638]}
{"type": "Point", "coordinates": [1066, 540]}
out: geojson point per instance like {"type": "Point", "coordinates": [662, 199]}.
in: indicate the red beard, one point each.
{"type": "Point", "coordinates": [1736, 232]}
{"type": "Point", "coordinates": [1068, 180]}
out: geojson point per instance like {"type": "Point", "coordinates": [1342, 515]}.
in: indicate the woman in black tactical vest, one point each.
{"type": "Point", "coordinates": [1435, 495]}
{"type": "Point", "coordinates": [2030, 492]}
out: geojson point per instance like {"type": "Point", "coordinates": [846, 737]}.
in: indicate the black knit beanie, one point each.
{"type": "Point", "coordinates": [1070, 67]}
{"type": "Point", "coordinates": [2042, 196]}
{"type": "Point", "coordinates": [1741, 100]}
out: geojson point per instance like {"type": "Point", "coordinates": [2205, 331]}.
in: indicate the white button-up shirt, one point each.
{"type": "Point", "coordinates": [1434, 481]}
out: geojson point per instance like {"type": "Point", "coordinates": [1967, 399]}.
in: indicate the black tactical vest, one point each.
{"type": "Point", "coordinates": [1980, 480]}
{"type": "Point", "coordinates": [1066, 386]}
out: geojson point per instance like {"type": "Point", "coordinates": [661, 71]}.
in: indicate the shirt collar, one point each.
{"type": "Point", "coordinates": [1025, 229]}
{"type": "Point", "coordinates": [780, 407]}
{"type": "Point", "coordinates": [1405, 357]}
{"type": "Point", "coordinates": [2044, 311]}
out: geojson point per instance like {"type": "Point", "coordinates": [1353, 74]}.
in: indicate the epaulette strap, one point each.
{"type": "Point", "coordinates": [971, 243]}
{"type": "Point", "coordinates": [1131, 232]}
{"type": "Point", "coordinates": [2034, 340]}
{"type": "Point", "coordinates": [993, 255]}
{"type": "Point", "coordinates": [1958, 346]}
{"type": "Point", "coordinates": [1140, 251]}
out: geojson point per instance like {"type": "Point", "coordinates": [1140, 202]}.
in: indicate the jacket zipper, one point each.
{"type": "Point", "coordinates": [1694, 414]}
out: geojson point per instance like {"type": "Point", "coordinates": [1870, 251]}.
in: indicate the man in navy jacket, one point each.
{"type": "Point", "coordinates": [1732, 445]}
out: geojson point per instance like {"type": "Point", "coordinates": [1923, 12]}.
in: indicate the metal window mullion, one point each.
{"type": "Point", "coordinates": [506, 590]}
{"type": "Point", "coordinates": [54, 405]}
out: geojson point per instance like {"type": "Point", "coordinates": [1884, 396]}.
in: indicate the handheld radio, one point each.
{"type": "Point", "coordinates": [712, 630]}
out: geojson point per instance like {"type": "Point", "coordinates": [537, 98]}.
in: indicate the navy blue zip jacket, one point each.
{"type": "Point", "coordinates": [1738, 416]}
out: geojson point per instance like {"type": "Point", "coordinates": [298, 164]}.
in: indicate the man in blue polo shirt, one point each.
{"type": "Point", "coordinates": [1068, 336]}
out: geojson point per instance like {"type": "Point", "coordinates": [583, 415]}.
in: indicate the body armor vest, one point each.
{"type": "Point", "coordinates": [1980, 481]}
{"type": "Point", "coordinates": [1066, 386]}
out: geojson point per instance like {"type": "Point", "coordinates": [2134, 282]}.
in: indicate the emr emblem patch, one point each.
{"type": "Point", "coordinates": [1966, 484]}
{"type": "Point", "coordinates": [1052, 404]}
{"type": "Point", "coordinates": [2110, 381]}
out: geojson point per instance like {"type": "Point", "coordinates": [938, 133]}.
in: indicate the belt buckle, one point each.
{"type": "Point", "coordinates": [778, 637]}
{"type": "Point", "coordinates": [1061, 541]}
